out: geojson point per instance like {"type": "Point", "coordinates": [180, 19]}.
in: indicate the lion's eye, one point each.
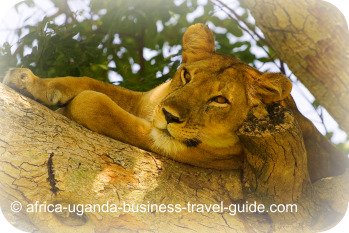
{"type": "Point", "coordinates": [220, 100]}
{"type": "Point", "coordinates": [185, 76]}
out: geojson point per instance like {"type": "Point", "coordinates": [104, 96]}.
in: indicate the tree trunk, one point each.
{"type": "Point", "coordinates": [312, 38]}
{"type": "Point", "coordinates": [47, 159]}
{"type": "Point", "coordinates": [276, 159]}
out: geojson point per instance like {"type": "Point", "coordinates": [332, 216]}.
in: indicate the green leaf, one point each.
{"type": "Point", "coordinates": [316, 104]}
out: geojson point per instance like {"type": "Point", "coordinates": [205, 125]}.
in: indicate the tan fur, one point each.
{"type": "Point", "coordinates": [201, 130]}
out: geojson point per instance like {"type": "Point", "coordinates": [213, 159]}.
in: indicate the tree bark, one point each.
{"type": "Point", "coordinates": [46, 158]}
{"type": "Point", "coordinates": [276, 158]}
{"type": "Point", "coordinates": [312, 38]}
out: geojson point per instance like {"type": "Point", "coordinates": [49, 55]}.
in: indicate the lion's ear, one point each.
{"type": "Point", "coordinates": [198, 43]}
{"type": "Point", "coordinates": [268, 88]}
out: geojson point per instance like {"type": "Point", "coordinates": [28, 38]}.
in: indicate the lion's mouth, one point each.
{"type": "Point", "coordinates": [192, 142]}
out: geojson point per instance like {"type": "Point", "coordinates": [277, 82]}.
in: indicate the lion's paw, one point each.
{"type": "Point", "coordinates": [19, 78]}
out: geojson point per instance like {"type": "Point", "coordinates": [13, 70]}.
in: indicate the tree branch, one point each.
{"type": "Point", "coordinates": [46, 158]}
{"type": "Point", "coordinates": [312, 37]}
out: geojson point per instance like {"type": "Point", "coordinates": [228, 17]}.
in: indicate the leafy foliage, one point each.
{"type": "Point", "coordinates": [136, 39]}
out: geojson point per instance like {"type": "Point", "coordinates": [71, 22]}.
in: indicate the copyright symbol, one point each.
{"type": "Point", "coordinates": [16, 206]}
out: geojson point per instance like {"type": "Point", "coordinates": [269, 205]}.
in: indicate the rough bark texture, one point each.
{"type": "Point", "coordinates": [47, 158]}
{"type": "Point", "coordinates": [312, 38]}
{"type": "Point", "coordinates": [276, 159]}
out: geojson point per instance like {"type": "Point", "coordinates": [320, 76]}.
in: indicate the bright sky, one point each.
{"type": "Point", "coordinates": [342, 5]}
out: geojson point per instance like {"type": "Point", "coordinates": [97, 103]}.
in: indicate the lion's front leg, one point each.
{"type": "Point", "coordinates": [24, 81]}
{"type": "Point", "coordinates": [99, 113]}
{"type": "Point", "coordinates": [61, 90]}
{"type": "Point", "coordinates": [49, 91]}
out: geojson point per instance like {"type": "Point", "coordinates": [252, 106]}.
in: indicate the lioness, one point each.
{"type": "Point", "coordinates": [193, 118]}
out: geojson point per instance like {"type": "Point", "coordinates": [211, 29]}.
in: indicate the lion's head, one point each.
{"type": "Point", "coordinates": [210, 96]}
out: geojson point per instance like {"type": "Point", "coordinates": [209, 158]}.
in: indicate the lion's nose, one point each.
{"type": "Point", "coordinates": [170, 118]}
